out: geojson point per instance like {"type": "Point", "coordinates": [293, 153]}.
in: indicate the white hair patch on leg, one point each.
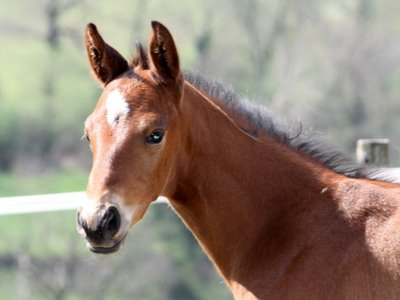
{"type": "Point", "coordinates": [116, 106]}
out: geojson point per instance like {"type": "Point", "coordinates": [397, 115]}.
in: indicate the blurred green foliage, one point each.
{"type": "Point", "coordinates": [19, 185]}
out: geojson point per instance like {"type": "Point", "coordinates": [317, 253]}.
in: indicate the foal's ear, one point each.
{"type": "Point", "coordinates": [164, 56]}
{"type": "Point", "coordinates": [106, 63]}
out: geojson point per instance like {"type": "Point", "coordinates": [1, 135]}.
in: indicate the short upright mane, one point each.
{"type": "Point", "coordinates": [265, 122]}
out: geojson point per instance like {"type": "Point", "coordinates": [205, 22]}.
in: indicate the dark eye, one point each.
{"type": "Point", "coordinates": [155, 137]}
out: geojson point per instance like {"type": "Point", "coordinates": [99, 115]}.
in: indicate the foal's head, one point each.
{"type": "Point", "coordinates": [132, 133]}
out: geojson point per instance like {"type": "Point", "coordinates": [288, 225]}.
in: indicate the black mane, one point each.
{"type": "Point", "coordinates": [263, 121]}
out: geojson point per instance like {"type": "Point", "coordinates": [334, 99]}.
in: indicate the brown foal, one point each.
{"type": "Point", "coordinates": [280, 217]}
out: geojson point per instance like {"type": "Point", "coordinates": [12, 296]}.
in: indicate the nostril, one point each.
{"type": "Point", "coordinates": [104, 230]}
{"type": "Point", "coordinates": [111, 222]}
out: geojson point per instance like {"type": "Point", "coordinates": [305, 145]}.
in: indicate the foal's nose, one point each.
{"type": "Point", "coordinates": [106, 229]}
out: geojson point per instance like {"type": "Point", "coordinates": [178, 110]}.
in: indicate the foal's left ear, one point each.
{"type": "Point", "coordinates": [163, 54]}
{"type": "Point", "coordinates": [105, 61]}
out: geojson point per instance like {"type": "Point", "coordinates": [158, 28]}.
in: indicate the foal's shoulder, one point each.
{"type": "Point", "coordinates": [361, 200]}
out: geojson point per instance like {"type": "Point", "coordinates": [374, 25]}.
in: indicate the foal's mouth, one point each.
{"type": "Point", "coordinates": [107, 250]}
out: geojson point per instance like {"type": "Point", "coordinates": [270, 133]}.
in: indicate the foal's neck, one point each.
{"type": "Point", "coordinates": [232, 189]}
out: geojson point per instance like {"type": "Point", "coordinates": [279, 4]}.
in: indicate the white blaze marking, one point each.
{"type": "Point", "coordinates": [116, 106]}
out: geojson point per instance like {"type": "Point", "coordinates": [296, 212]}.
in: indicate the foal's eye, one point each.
{"type": "Point", "coordinates": [155, 137]}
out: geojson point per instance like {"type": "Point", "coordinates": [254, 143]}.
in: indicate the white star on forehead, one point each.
{"type": "Point", "coordinates": [116, 106]}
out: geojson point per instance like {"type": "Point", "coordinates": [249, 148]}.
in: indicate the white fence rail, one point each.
{"type": "Point", "coordinates": [396, 173]}
{"type": "Point", "coordinates": [40, 203]}
{"type": "Point", "coordinates": [71, 201]}
{"type": "Point", "coordinates": [44, 203]}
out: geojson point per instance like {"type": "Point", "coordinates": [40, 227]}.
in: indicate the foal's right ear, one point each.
{"type": "Point", "coordinates": [106, 63]}
{"type": "Point", "coordinates": [164, 59]}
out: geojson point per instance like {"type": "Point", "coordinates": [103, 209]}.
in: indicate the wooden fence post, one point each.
{"type": "Point", "coordinates": [373, 152]}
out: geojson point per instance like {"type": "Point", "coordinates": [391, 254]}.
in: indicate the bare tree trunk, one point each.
{"type": "Point", "coordinates": [262, 40]}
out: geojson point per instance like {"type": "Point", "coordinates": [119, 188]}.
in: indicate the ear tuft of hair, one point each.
{"type": "Point", "coordinates": [140, 60]}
